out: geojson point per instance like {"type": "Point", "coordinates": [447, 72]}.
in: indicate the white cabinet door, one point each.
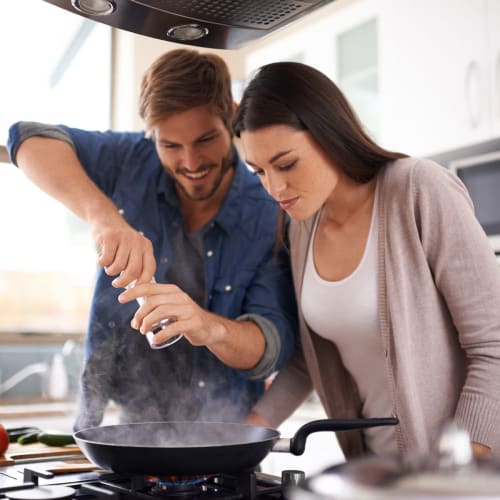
{"type": "Point", "coordinates": [493, 63]}
{"type": "Point", "coordinates": [433, 82]}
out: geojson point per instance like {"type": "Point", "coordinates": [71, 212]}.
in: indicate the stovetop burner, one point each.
{"type": "Point", "coordinates": [42, 492]}
{"type": "Point", "coordinates": [245, 485]}
{"type": "Point", "coordinates": [179, 486]}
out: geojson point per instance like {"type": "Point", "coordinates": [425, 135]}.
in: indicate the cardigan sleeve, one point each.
{"type": "Point", "coordinates": [468, 277]}
{"type": "Point", "coordinates": [287, 392]}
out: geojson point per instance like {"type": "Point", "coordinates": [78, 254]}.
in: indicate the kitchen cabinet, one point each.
{"type": "Point", "coordinates": [434, 84]}
{"type": "Point", "coordinates": [341, 42]}
{"type": "Point", "coordinates": [438, 76]}
{"type": "Point", "coordinates": [493, 61]}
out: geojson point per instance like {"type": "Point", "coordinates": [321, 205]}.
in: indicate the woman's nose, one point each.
{"type": "Point", "coordinates": [275, 185]}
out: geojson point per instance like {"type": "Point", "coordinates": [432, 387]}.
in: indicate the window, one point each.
{"type": "Point", "coordinates": [357, 72]}
{"type": "Point", "coordinates": [57, 70]}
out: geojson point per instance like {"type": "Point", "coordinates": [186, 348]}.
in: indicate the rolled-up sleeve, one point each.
{"type": "Point", "coordinates": [21, 131]}
{"type": "Point", "coordinates": [267, 364]}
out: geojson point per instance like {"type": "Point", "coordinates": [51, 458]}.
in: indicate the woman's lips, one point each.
{"type": "Point", "coordinates": [287, 204]}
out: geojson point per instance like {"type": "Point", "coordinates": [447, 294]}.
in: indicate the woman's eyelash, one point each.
{"type": "Point", "coordinates": [289, 166]}
{"type": "Point", "coordinates": [283, 168]}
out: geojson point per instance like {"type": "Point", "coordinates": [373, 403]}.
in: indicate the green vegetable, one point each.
{"type": "Point", "coordinates": [29, 437]}
{"type": "Point", "coordinates": [55, 439]}
{"type": "Point", "coordinates": [16, 432]}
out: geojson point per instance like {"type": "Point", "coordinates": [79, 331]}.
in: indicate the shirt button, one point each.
{"type": "Point", "coordinates": [210, 253]}
{"type": "Point", "coordinates": [111, 324]}
{"type": "Point", "coordinates": [164, 260]}
{"type": "Point", "coordinates": [201, 383]}
{"type": "Point", "coordinates": [228, 288]}
{"type": "Point", "coordinates": [121, 211]}
{"type": "Point", "coordinates": [212, 224]}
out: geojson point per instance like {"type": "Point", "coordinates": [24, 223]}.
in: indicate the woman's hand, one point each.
{"type": "Point", "coordinates": [480, 450]}
{"type": "Point", "coordinates": [254, 418]}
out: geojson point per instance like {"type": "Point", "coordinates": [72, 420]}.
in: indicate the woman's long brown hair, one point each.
{"type": "Point", "coordinates": [300, 96]}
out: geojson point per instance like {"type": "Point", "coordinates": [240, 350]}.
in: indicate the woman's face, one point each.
{"type": "Point", "coordinates": [292, 168]}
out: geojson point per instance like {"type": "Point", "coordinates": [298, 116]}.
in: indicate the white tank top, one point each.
{"type": "Point", "coordinates": [346, 313]}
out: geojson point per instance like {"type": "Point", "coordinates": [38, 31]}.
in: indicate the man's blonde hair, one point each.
{"type": "Point", "coordinates": [182, 79]}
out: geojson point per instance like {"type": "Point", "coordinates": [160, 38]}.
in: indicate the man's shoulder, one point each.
{"type": "Point", "coordinates": [246, 182]}
{"type": "Point", "coordinates": [250, 205]}
{"type": "Point", "coordinates": [251, 188]}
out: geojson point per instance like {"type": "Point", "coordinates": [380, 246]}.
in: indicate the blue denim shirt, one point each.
{"type": "Point", "coordinates": [244, 279]}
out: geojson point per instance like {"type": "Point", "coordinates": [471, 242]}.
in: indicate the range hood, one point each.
{"type": "Point", "coordinates": [218, 24]}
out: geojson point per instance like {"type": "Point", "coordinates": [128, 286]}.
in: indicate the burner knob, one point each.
{"type": "Point", "coordinates": [292, 478]}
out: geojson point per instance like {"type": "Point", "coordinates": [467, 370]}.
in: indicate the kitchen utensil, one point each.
{"type": "Point", "coordinates": [72, 468]}
{"type": "Point", "coordinates": [197, 447]}
{"type": "Point", "coordinates": [158, 327]}
{"type": "Point", "coordinates": [35, 451]}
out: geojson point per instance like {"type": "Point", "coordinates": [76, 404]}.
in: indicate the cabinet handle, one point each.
{"type": "Point", "coordinates": [472, 94]}
{"type": "Point", "coordinates": [497, 85]}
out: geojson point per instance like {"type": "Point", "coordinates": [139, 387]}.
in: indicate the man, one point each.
{"type": "Point", "coordinates": [178, 205]}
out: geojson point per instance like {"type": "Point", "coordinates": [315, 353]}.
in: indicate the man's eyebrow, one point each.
{"type": "Point", "coordinates": [166, 140]}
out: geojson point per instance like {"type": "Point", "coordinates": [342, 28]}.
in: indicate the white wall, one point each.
{"type": "Point", "coordinates": [132, 56]}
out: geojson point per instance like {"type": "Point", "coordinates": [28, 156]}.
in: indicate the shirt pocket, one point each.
{"type": "Point", "coordinates": [229, 293]}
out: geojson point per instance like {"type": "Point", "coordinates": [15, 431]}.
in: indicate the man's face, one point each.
{"type": "Point", "coordinates": [195, 149]}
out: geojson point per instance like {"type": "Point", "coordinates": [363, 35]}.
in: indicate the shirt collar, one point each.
{"type": "Point", "coordinates": [228, 215]}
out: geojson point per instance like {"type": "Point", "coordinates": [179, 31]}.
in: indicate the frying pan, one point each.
{"type": "Point", "coordinates": [192, 448]}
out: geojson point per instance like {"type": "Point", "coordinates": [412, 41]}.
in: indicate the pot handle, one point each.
{"type": "Point", "coordinates": [298, 441]}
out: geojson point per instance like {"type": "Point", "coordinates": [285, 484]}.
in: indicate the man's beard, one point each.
{"type": "Point", "coordinates": [226, 164]}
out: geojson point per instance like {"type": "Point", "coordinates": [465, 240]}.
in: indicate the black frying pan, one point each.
{"type": "Point", "coordinates": [189, 448]}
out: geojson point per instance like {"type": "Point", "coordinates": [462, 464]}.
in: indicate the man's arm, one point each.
{"type": "Point", "coordinates": [54, 167]}
{"type": "Point", "coordinates": [239, 344]}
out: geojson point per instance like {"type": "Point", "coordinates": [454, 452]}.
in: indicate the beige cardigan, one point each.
{"type": "Point", "coordinates": [439, 318]}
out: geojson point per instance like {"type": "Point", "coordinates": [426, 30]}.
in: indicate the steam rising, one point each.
{"type": "Point", "coordinates": [177, 384]}
{"type": "Point", "coordinates": [176, 434]}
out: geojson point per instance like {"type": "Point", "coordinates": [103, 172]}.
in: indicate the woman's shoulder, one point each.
{"type": "Point", "coordinates": [421, 180]}
{"type": "Point", "coordinates": [404, 168]}
{"type": "Point", "coordinates": [416, 173]}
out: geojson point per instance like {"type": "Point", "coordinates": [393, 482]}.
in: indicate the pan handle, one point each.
{"type": "Point", "coordinates": [298, 441]}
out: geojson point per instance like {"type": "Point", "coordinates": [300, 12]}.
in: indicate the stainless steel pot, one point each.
{"type": "Point", "coordinates": [450, 473]}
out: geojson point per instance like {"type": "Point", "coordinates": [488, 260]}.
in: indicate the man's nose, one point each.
{"type": "Point", "coordinates": [190, 159]}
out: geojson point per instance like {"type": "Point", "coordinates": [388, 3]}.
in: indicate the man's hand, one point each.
{"type": "Point", "coordinates": [54, 167]}
{"type": "Point", "coordinates": [239, 344]}
{"type": "Point", "coordinates": [124, 252]}
{"type": "Point", "coordinates": [165, 301]}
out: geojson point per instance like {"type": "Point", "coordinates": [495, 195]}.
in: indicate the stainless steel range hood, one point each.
{"type": "Point", "coordinates": [219, 24]}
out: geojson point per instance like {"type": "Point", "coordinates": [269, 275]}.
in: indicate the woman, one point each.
{"type": "Point", "coordinates": [398, 288]}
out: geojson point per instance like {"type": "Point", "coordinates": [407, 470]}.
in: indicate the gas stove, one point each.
{"type": "Point", "coordinates": [32, 481]}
